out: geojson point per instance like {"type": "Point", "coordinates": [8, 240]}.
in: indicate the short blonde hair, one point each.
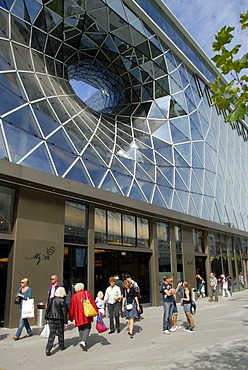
{"type": "Point", "coordinates": [100, 294]}
{"type": "Point", "coordinates": [78, 287]}
{"type": "Point", "coordinates": [60, 292]}
{"type": "Point", "coordinates": [26, 280]}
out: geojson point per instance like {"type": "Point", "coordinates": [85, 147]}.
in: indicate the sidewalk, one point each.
{"type": "Point", "coordinates": [219, 342]}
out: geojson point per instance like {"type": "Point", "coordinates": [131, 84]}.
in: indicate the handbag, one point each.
{"type": "Point", "coordinates": [28, 308]}
{"type": "Point", "coordinates": [100, 325]}
{"type": "Point", "coordinates": [89, 309]}
{"type": "Point", "coordinates": [17, 300]}
{"type": "Point", "coordinates": [140, 309]}
{"type": "Point", "coordinates": [45, 332]}
{"type": "Point", "coordinates": [129, 306]}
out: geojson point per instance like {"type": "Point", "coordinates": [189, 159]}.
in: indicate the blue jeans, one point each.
{"type": "Point", "coordinates": [22, 323]}
{"type": "Point", "coordinates": [168, 312]}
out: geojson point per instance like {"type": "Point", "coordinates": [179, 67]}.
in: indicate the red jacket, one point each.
{"type": "Point", "coordinates": [76, 308]}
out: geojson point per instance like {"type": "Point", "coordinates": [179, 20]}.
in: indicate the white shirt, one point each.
{"type": "Point", "coordinates": [112, 293]}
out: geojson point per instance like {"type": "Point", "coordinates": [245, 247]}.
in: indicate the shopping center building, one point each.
{"type": "Point", "coordinates": [143, 177]}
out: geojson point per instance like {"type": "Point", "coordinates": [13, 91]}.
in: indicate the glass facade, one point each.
{"type": "Point", "coordinates": [7, 198]}
{"type": "Point", "coordinates": [118, 228]}
{"type": "Point", "coordinates": [148, 133]}
{"type": "Point", "coordinates": [164, 250]}
{"type": "Point", "coordinates": [75, 223]}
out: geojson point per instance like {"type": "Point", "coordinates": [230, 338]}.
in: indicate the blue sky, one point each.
{"type": "Point", "coordinates": [202, 19]}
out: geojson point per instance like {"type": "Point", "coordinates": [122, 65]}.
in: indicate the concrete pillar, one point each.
{"type": "Point", "coordinates": [38, 250]}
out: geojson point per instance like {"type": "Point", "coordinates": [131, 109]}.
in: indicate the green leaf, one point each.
{"type": "Point", "coordinates": [244, 20]}
{"type": "Point", "coordinates": [222, 37]}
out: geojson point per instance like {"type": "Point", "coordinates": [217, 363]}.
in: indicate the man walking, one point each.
{"type": "Point", "coordinates": [213, 288]}
{"type": "Point", "coordinates": [53, 287]}
{"type": "Point", "coordinates": [168, 301]}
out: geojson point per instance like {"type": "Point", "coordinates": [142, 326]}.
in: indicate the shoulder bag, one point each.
{"type": "Point", "coordinates": [89, 309]}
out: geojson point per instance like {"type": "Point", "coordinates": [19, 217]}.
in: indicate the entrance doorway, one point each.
{"type": "Point", "coordinates": [75, 268]}
{"type": "Point", "coordinates": [111, 262]}
{"type": "Point", "coordinates": [200, 268]}
{"type": "Point", "coordinates": [5, 248]}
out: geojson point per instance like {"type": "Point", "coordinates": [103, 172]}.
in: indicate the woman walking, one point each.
{"type": "Point", "coordinates": [24, 292]}
{"type": "Point", "coordinates": [77, 312]}
{"type": "Point", "coordinates": [186, 303]}
{"type": "Point", "coordinates": [56, 314]}
{"type": "Point", "coordinates": [130, 305]}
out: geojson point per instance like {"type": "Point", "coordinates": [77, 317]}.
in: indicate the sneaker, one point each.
{"type": "Point", "coordinates": [178, 327]}
{"type": "Point", "coordinates": [186, 329]}
{"type": "Point", "coordinates": [191, 330]}
{"type": "Point", "coordinates": [166, 332]}
{"type": "Point", "coordinates": [173, 328]}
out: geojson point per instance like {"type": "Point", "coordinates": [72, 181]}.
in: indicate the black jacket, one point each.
{"type": "Point", "coordinates": [57, 310]}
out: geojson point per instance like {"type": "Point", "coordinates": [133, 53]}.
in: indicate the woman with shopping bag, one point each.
{"type": "Point", "coordinates": [82, 309]}
{"type": "Point", "coordinates": [24, 292]}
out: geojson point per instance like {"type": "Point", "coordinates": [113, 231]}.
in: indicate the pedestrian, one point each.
{"type": "Point", "coordinates": [119, 283]}
{"type": "Point", "coordinates": [173, 322]}
{"type": "Point", "coordinates": [200, 286]}
{"type": "Point", "coordinates": [186, 303]}
{"type": "Point", "coordinates": [52, 288]}
{"type": "Point", "coordinates": [225, 291]}
{"type": "Point", "coordinates": [137, 289]}
{"type": "Point", "coordinates": [112, 297]}
{"type": "Point", "coordinates": [56, 315]}
{"type": "Point", "coordinates": [76, 312]}
{"type": "Point", "coordinates": [229, 283]}
{"type": "Point", "coordinates": [24, 292]}
{"type": "Point", "coordinates": [213, 288]}
{"type": "Point", "coordinates": [130, 305]}
{"type": "Point", "coordinates": [168, 293]}
{"type": "Point", "coordinates": [100, 303]}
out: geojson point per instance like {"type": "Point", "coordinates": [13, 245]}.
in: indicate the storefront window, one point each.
{"type": "Point", "coordinates": [75, 223]}
{"type": "Point", "coordinates": [75, 268]}
{"type": "Point", "coordinates": [198, 241]}
{"type": "Point", "coordinates": [164, 255]}
{"type": "Point", "coordinates": [122, 229]}
{"type": "Point", "coordinates": [129, 236]}
{"type": "Point", "coordinates": [179, 256]}
{"type": "Point", "coordinates": [114, 227]}
{"type": "Point", "coordinates": [7, 197]}
{"type": "Point", "coordinates": [100, 226]}
{"type": "Point", "coordinates": [142, 233]}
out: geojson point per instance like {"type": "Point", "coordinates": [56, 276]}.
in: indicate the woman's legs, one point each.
{"type": "Point", "coordinates": [27, 326]}
{"type": "Point", "coordinates": [84, 332]}
{"type": "Point", "coordinates": [130, 327]}
{"type": "Point", "coordinates": [20, 327]}
{"type": "Point", "coordinates": [50, 341]}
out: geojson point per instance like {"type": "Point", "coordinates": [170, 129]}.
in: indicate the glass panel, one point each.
{"type": "Point", "coordinates": [114, 227]}
{"type": "Point", "coordinates": [75, 269]}
{"type": "Point", "coordinates": [142, 233]}
{"type": "Point", "coordinates": [100, 225]}
{"type": "Point", "coordinates": [75, 222]}
{"type": "Point", "coordinates": [198, 241]}
{"type": "Point", "coordinates": [129, 234]}
{"type": "Point", "coordinates": [7, 196]}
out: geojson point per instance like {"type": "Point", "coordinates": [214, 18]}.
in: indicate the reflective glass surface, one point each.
{"type": "Point", "coordinates": [148, 132]}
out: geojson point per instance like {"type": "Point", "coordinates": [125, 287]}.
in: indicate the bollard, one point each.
{"type": "Point", "coordinates": [193, 294]}
{"type": "Point", "coordinates": [41, 310]}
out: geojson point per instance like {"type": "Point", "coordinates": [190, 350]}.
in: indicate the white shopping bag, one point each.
{"type": "Point", "coordinates": [45, 332]}
{"type": "Point", "coordinates": [28, 308]}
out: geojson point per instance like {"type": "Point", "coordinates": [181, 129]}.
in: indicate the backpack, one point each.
{"type": "Point", "coordinates": [193, 307]}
